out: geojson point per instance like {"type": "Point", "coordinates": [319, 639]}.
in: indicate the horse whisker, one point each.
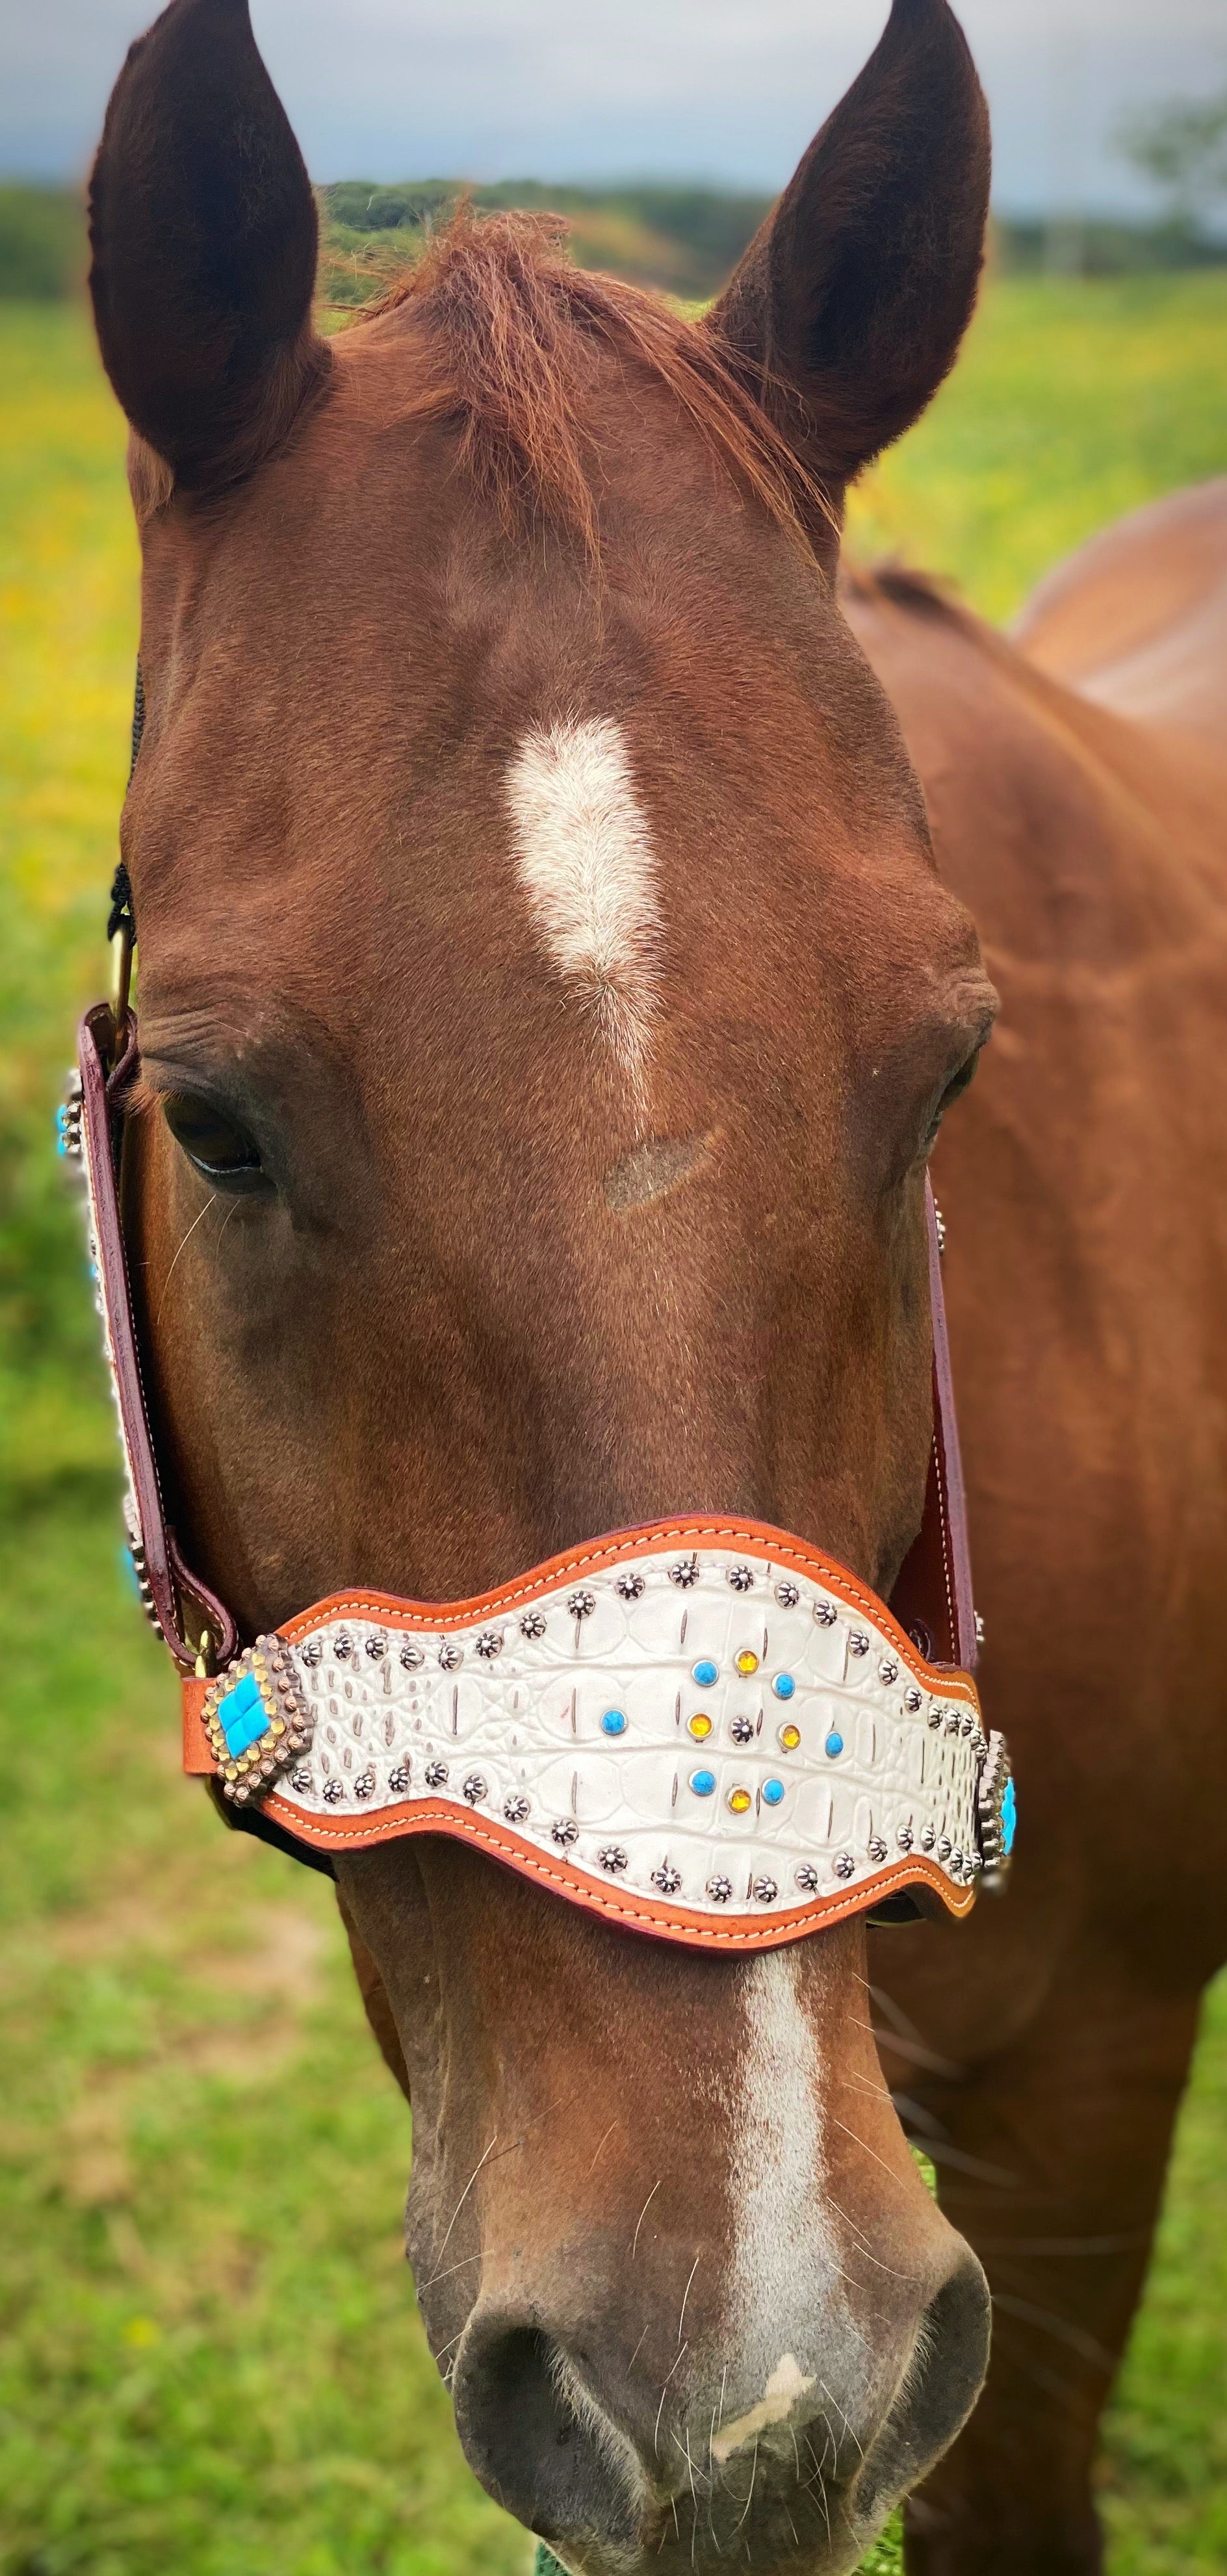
{"type": "Point", "coordinates": [429, 2285]}
{"type": "Point", "coordinates": [643, 2213]}
{"type": "Point", "coordinates": [209, 1202]}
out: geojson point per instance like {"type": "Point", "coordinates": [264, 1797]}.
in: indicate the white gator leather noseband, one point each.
{"type": "Point", "coordinates": [707, 1732]}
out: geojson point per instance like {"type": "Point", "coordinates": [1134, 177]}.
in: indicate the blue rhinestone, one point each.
{"type": "Point", "coordinates": [703, 1783]}
{"type": "Point", "coordinates": [242, 1716]}
{"type": "Point", "coordinates": [834, 1744]}
{"type": "Point", "coordinates": [773, 1791]}
{"type": "Point", "coordinates": [783, 1686]}
{"type": "Point", "coordinates": [705, 1673]}
{"type": "Point", "coordinates": [613, 1722]}
{"type": "Point", "coordinates": [1009, 1819]}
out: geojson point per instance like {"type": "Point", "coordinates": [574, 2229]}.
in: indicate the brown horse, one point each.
{"type": "Point", "coordinates": [549, 1000]}
{"type": "Point", "coordinates": [1046, 2056]}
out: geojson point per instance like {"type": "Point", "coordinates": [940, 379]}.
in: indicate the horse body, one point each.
{"type": "Point", "coordinates": [548, 1003]}
{"type": "Point", "coordinates": [1084, 1185]}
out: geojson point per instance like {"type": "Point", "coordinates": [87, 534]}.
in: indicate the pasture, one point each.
{"type": "Point", "coordinates": [212, 2362]}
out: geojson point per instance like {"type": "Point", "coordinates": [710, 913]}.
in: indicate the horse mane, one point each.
{"type": "Point", "coordinates": [515, 335]}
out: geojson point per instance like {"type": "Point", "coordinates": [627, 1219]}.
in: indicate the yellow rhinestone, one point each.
{"type": "Point", "coordinates": [790, 1737]}
{"type": "Point", "coordinates": [277, 1727]}
{"type": "Point", "coordinates": [700, 1727]}
{"type": "Point", "coordinates": [747, 1663]}
{"type": "Point", "coordinates": [232, 1771]}
{"type": "Point", "coordinates": [740, 1801]}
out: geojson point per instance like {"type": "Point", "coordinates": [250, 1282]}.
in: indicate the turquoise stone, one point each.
{"type": "Point", "coordinates": [703, 1783]}
{"type": "Point", "coordinates": [783, 1686]}
{"type": "Point", "coordinates": [1009, 1819]}
{"type": "Point", "coordinates": [834, 1744]}
{"type": "Point", "coordinates": [773, 1791]}
{"type": "Point", "coordinates": [613, 1722]}
{"type": "Point", "coordinates": [242, 1715]}
{"type": "Point", "coordinates": [705, 1673]}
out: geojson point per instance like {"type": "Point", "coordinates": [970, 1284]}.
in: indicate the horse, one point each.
{"type": "Point", "coordinates": [1076, 780]}
{"type": "Point", "coordinates": [550, 999]}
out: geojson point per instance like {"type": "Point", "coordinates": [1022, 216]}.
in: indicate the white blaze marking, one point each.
{"type": "Point", "coordinates": [583, 850]}
{"type": "Point", "coordinates": [786, 2384]}
{"type": "Point", "coordinates": [786, 2288]}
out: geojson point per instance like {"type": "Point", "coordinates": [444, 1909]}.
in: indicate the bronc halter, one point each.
{"type": "Point", "coordinates": [701, 1728]}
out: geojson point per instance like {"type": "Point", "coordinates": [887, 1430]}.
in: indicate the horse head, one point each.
{"type": "Point", "coordinates": [548, 1001]}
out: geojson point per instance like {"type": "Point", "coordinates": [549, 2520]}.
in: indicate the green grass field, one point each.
{"type": "Point", "coordinates": [211, 2362]}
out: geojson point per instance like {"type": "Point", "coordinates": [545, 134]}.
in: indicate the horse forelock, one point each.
{"type": "Point", "coordinates": [514, 336]}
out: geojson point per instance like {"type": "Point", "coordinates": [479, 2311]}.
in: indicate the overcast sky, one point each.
{"type": "Point", "coordinates": [596, 89]}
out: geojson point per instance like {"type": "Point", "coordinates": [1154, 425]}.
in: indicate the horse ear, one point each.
{"type": "Point", "coordinates": [204, 238]}
{"type": "Point", "coordinates": [851, 301]}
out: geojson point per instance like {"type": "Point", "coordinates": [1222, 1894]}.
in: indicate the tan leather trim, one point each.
{"type": "Point", "coordinates": [636, 1913]}
{"type": "Point", "coordinates": [198, 1759]}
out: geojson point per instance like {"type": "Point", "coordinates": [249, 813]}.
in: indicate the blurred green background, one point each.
{"type": "Point", "coordinates": [211, 2361]}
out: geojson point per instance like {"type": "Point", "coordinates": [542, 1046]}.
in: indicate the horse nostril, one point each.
{"type": "Point", "coordinates": [536, 2439]}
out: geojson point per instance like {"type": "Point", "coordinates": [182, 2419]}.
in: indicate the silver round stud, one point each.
{"type": "Point", "coordinates": [905, 1838]}
{"type": "Point", "coordinates": [807, 1879]}
{"type": "Point", "coordinates": [630, 1586]}
{"type": "Point", "coordinates": [888, 1670]}
{"type": "Point", "coordinates": [474, 1789]}
{"type": "Point", "coordinates": [912, 1700]}
{"type": "Point", "coordinates": [845, 1866]}
{"type": "Point", "coordinates": [719, 1890]}
{"type": "Point", "coordinates": [877, 1849]}
{"type": "Point", "coordinates": [612, 1857]}
{"type": "Point", "coordinates": [451, 1656]}
{"type": "Point", "coordinates": [364, 1785]}
{"type": "Point", "coordinates": [927, 1839]}
{"type": "Point", "coordinates": [685, 1573]}
{"type": "Point", "coordinates": [398, 1780]}
{"type": "Point", "coordinates": [342, 1646]}
{"type": "Point", "coordinates": [565, 1831]}
{"type": "Point", "coordinates": [301, 1780]}
{"type": "Point", "coordinates": [436, 1775]}
{"type": "Point", "coordinates": [740, 1578]}
{"type": "Point", "coordinates": [742, 1730]}
{"type": "Point", "coordinates": [489, 1644]}
{"type": "Point", "coordinates": [581, 1604]}
{"type": "Point", "coordinates": [515, 1809]}
{"type": "Point", "coordinates": [787, 1595]}
{"type": "Point", "coordinates": [825, 1613]}
{"type": "Point", "coordinates": [376, 1647]}
{"type": "Point", "coordinates": [334, 1791]}
{"type": "Point", "coordinates": [944, 1848]}
{"type": "Point", "coordinates": [532, 1626]}
{"type": "Point", "coordinates": [858, 1642]}
{"type": "Point", "coordinates": [765, 1890]}
{"type": "Point", "coordinates": [313, 1651]}
{"type": "Point", "coordinates": [667, 1878]}
{"type": "Point", "coordinates": [412, 1656]}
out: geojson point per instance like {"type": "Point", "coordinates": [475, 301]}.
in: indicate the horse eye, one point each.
{"type": "Point", "coordinates": [219, 1150]}
{"type": "Point", "coordinates": [954, 1091]}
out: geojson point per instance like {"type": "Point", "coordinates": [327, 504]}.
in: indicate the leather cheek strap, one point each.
{"type": "Point", "coordinates": [170, 1587]}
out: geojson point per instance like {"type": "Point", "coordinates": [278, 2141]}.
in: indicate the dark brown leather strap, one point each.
{"type": "Point", "coordinates": [182, 1605]}
{"type": "Point", "coordinates": [932, 1599]}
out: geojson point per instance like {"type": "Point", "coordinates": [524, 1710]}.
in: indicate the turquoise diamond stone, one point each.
{"type": "Point", "coordinates": [242, 1715]}
{"type": "Point", "coordinates": [1009, 1819]}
